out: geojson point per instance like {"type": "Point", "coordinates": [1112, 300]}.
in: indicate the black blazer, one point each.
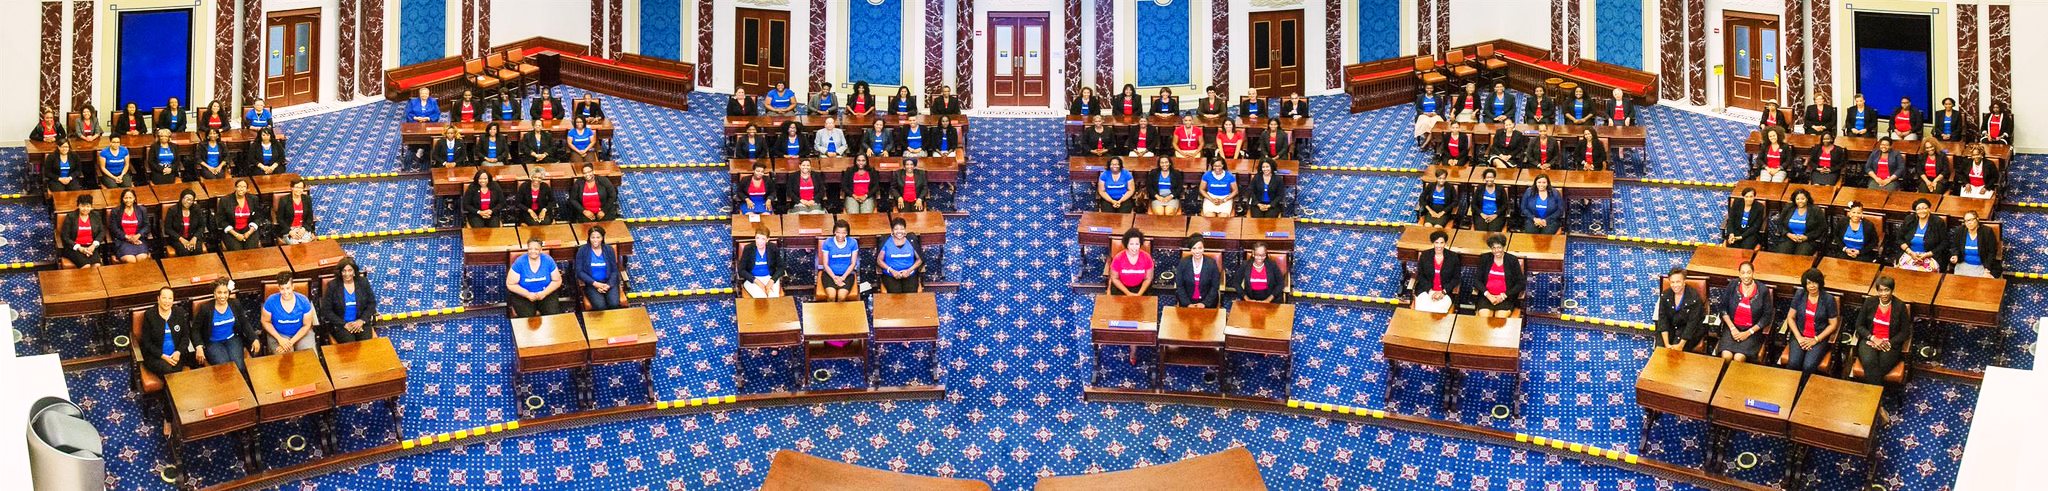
{"type": "Point", "coordinates": [1872, 121]}
{"type": "Point", "coordinates": [874, 181]}
{"type": "Point", "coordinates": [129, 123]}
{"type": "Point", "coordinates": [282, 215]}
{"type": "Point", "coordinates": [1168, 105]}
{"type": "Point", "coordinates": [1687, 319]}
{"type": "Point", "coordinates": [472, 198]}
{"type": "Point", "coordinates": [1465, 150]}
{"type": "Point", "coordinates": [524, 198]}
{"type": "Point", "coordinates": [1257, 187]}
{"type": "Point", "coordinates": [1425, 275]}
{"type": "Point", "coordinates": [946, 105]}
{"type": "Point", "coordinates": [254, 155]}
{"type": "Point", "coordinates": [1901, 321]}
{"type": "Point", "coordinates": [1505, 201]}
{"type": "Point", "coordinates": [1757, 216]}
{"type": "Point", "coordinates": [81, 171]}
{"type": "Point", "coordinates": [1591, 107]}
{"type": "Point", "coordinates": [1293, 108]}
{"type": "Point", "coordinates": [174, 224]}
{"type": "Point", "coordinates": [792, 189]}
{"type": "Point", "coordinates": [1507, 141]}
{"type": "Point", "coordinates": [594, 107]}
{"type": "Point", "coordinates": [158, 171]}
{"type": "Point", "coordinates": [607, 196]}
{"type": "Point", "coordinates": [744, 262]}
{"type": "Point", "coordinates": [1783, 121]}
{"type": "Point", "coordinates": [1509, 106]}
{"type": "Point", "coordinates": [1837, 158]}
{"type": "Point", "coordinates": [1158, 141]}
{"type": "Point", "coordinates": [1539, 105]}
{"type": "Point", "coordinates": [1818, 117]}
{"type": "Point", "coordinates": [438, 154]}
{"type": "Point", "coordinates": [739, 146]}
{"type": "Point", "coordinates": [1253, 107]}
{"type": "Point", "coordinates": [1091, 138]}
{"type": "Point", "coordinates": [1628, 110]}
{"type": "Point", "coordinates": [1936, 239]}
{"type": "Point", "coordinates": [1270, 146]}
{"type": "Point", "coordinates": [868, 99]}
{"type": "Point", "coordinates": [224, 211]}
{"type": "Point", "coordinates": [67, 229]}
{"type": "Point", "coordinates": [750, 106]}
{"type": "Point", "coordinates": [1458, 101]}
{"type": "Point", "coordinates": [1212, 106]}
{"type": "Point", "coordinates": [1826, 310]}
{"type": "Point", "coordinates": [1872, 231]}
{"type": "Point", "coordinates": [919, 177]}
{"type": "Point", "coordinates": [506, 152]}
{"type": "Point", "coordinates": [1987, 248]}
{"type": "Point", "coordinates": [1599, 161]}
{"type": "Point", "coordinates": [246, 324]}
{"type": "Point", "coordinates": [770, 187]}
{"type": "Point", "coordinates": [935, 134]}
{"type": "Point", "coordinates": [35, 131]}
{"type": "Point", "coordinates": [1787, 157]}
{"type": "Point", "coordinates": [184, 337]}
{"type": "Point", "coordinates": [909, 105]}
{"type": "Point", "coordinates": [1532, 154]}
{"type": "Point", "coordinates": [1116, 103]}
{"type": "Point", "coordinates": [1422, 202]}
{"type": "Point", "coordinates": [1760, 312]}
{"type": "Point", "coordinates": [2005, 126]}
{"type": "Point", "coordinates": [533, 108]}
{"type": "Point", "coordinates": [1816, 225]}
{"type": "Point", "coordinates": [1958, 124]}
{"type": "Point", "coordinates": [1511, 267]}
{"type": "Point", "coordinates": [1962, 173]}
{"type": "Point", "coordinates": [779, 144]}
{"type": "Point", "coordinates": [1276, 279]}
{"type": "Point", "coordinates": [170, 118]}
{"type": "Point", "coordinates": [1916, 118]}
{"type": "Point", "coordinates": [1094, 106]}
{"type": "Point", "coordinates": [1897, 164]}
{"type": "Point", "coordinates": [477, 111]}
{"type": "Point", "coordinates": [533, 142]}
{"type": "Point", "coordinates": [1211, 284]}
{"type": "Point", "coordinates": [331, 304]}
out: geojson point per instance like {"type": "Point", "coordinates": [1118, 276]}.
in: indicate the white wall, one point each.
{"type": "Point", "coordinates": [25, 85]}
{"type": "Point", "coordinates": [2030, 104]}
{"type": "Point", "coordinates": [1522, 21]}
{"type": "Point", "coordinates": [513, 20]}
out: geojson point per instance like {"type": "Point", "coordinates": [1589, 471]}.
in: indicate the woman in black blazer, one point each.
{"type": "Point", "coordinates": [1975, 175]}
{"type": "Point", "coordinates": [1996, 126]}
{"type": "Point", "coordinates": [903, 104]}
{"type": "Point", "coordinates": [1931, 176]}
{"type": "Point", "coordinates": [1773, 160]}
{"type": "Point", "coordinates": [789, 142]}
{"type": "Point", "coordinates": [265, 156]}
{"type": "Point", "coordinates": [1800, 227]}
{"type": "Point", "coordinates": [1973, 249]}
{"type": "Point", "coordinates": [1824, 162]}
{"type": "Point", "coordinates": [759, 266]}
{"type": "Point", "coordinates": [1274, 143]}
{"type": "Point", "coordinates": [1745, 223]}
{"type": "Point", "coordinates": [185, 226]}
{"type": "Point", "coordinates": [1591, 153]}
{"type": "Point", "coordinates": [130, 229]}
{"type": "Point", "coordinates": [592, 197]}
{"type": "Point", "coordinates": [130, 123]}
{"type": "Point", "coordinates": [742, 104]}
{"type": "Point", "coordinates": [1489, 205]}
{"type": "Point", "coordinates": [1125, 103]}
{"type": "Point", "coordinates": [1085, 104]}
{"type": "Point", "coordinates": [1267, 188]}
{"type": "Point", "coordinates": [1855, 237]}
{"type": "Point", "coordinates": [1746, 315]}
{"type": "Point", "coordinates": [225, 332]}
{"type": "Point", "coordinates": [162, 164]}
{"type": "Point", "coordinates": [63, 173]}
{"type": "Point", "coordinates": [294, 216]}
{"type": "Point", "coordinates": [1811, 321]}
{"type": "Point", "coordinates": [491, 148]}
{"type": "Point", "coordinates": [1500, 282]}
{"type": "Point", "coordinates": [1260, 278]}
{"type": "Point", "coordinates": [240, 217]}
{"type": "Point", "coordinates": [533, 203]}
{"type": "Point", "coordinates": [1165, 103]}
{"type": "Point", "coordinates": [48, 129]}
{"type": "Point", "coordinates": [751, 144]}
{"type": "Point", "coordinates": [347, 305]}
{"type": "Point", "coordinates": [167, 344]}
{"type": "Point", "coordinates": [1438, 203]}
{"type": "Point", "coordinates": [1921, 242]}
{"type": "Point", "coordinates": [1681, 313]}
{"type": "Point", "coordinates": [82, 248]}
{"type": "Point", "coordinates": [911, 188]}
{"type": "Point", "coordinates": [1884, 329]}
{"type": "Point", "coordinates": [1437, 276]}
{"type": "Point", "coordinates": [480, 201]}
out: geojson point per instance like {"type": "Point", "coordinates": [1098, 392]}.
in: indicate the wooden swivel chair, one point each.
{"type": "Point", "coordinates": [482, 81]}
{"type": "Point", "coordinates": [625, 283]}
{"type": "Point", "coordinates": [1491, 67]}
{"type": "Point", "coordinates": [146, 383]}
{"type": "Point", "coordinates": [1426, 72]}
{"type": "Point", "coordinates": [515, 80]}
{"type": "Point", "coordinates": [1461, 71]}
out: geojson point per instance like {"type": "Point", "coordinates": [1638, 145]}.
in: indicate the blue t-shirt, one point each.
{"type": "Point", "coordinates": [1163, 185]}
{"type": "Point", "coordinates": [793, 146]}
{"type": "Point", "coordinates": [534, 278]}
{"type": "Point", "coordinates": [876, 145]}
{"type": "Point", "coordinates": [490, 148]}
{"type": "Point", "coordinates": [267, 153]}
{"type": "Point", "coordinates": [1920, 238]}
{"type": "Point", "coordinates": [419, 108]}
{"type": "Point", "coordinates": [212, 155]}
{"type": "Point", "coordinates": [1488, 203]}
{"type": "Point", "coordinates": [898, 257]}
{"type": "Point", "coordinates": [170, 342]}
{"type": "Point", "coordinates": [1797, 222]}
{"type": "Point", "coordinates": [781, 97]}
{"type": "Point", "coordinates": [166, 156]}
{"type": "Point", "coordinates": [839, 256]}
{"type": "Point", "coordinates": [449, 150]}
{"type": "Point", "coordinates": [1116, 185]}
{"type": "Point", "coordinates": [1578, 108]}
{"type": "Point", "coordinates": [1428, 104]}
{"type": "Point", "coordinates": [1541, 203]}
{"type": "Point", "coordinates": [600, 268]}
{"type": "Point", "coordinates": [223, 326]}
{"type": "Point", "coordinates": [1859, 119]}
{"type": "Point", "coordinates": [172, 118]}
{"type": "Point", "coordinates": [1853, 238]}
{"type": "Point", "coordinates": [824, 102]}
{"type": "Point", "coordinates": [760, 264]}
{"type": "Point", "coordinates": [288, 322]}
{"type": "Point", "coordinates": [348, 305]}
{"type": "Point", "coordinates": [64, 167]}
{"type": "Point", "coordinates": [117, 159]}
{"type": "Point", "coordinates": [580, 138]}
{"type": "Point", "coordinates": [1218, 186]}
{"type": "Point", "coordinates": [259, 119]}
{"type": "Point", "coordinates": [945, 141]}
{"type": "Point", "coordinates": [916, 137]}
{"type": "Point", "coordinates": [507, 111]}
{"type": "Point", "coordinates": [1971, 256]}
{"type": "Point", "coordinates": [1437, 196]}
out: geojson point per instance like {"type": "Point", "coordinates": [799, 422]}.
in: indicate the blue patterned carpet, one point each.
{"type": "Point", "coordinates": [1014, 353]}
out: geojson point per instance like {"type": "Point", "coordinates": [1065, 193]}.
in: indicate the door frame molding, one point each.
{"type": "Point", "coordinates": [731, 44]}
{"type": "Point", "coordinates": [1054, 85]}
{"type": "Point", "coordinates": [1301, 59]}
{"type": "Point", "coordinates": [318, 20]}
{"type": "Point", "coordinates": [1727, 53]}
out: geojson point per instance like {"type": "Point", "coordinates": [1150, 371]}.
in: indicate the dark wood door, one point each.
{"type": "Point", "coordinates": [763, 44]}
{"type": "Point", "coordinates": [1019, 65]}
{"type": "Point", "coordinates": [1750, 52]}
{"type": "Point", "coordinates": [1276, 52]}
{"type": "Point", "coordinates": [291, 58]}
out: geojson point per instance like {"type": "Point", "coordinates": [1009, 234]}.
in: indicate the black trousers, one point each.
{"type": "Point", "coordinates": [1551, 227]}
{"type": "Point", "coordinates": [340, 335]}
{"type": "Point", "coordinates": [1789, 247]}
{"type": "Point", "coordinates": [478, 221]}
{"type": "Point", "coordinates": [255, 240]}
{"type": "Point", "coordinates": [892, 284]}
{"type": "Point", "coordinates": [1748, 242]}
{"type": "Point", "coordinates": [521, 307]}
{"type": "Point", "coordinates": [526, 216]}
{"type": "Point", "coordinates": [76, 258]}
{"type": "Point", "coordinates": [1106, 207]}
{"type": "Point", "coordinates": [156, 364]}
{"type": "Point", "coordinates": [1499, 223]}
{"type": "Point", "coordinates": [1254, 211]}
{"type": "Point", "coordinates": [1877, 363]}
{"type": "Point", "coordinates": [179, 250]}
{"type": "Point", "coordinates": [77, 184]}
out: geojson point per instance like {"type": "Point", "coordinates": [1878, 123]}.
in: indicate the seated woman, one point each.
{"type": "Point", "coordinates": [1486, 209]}
{"type": "Point", "coordinates": [1948, 123]}
{"type": "Point", "coordinates": [1681, 313]}
{"type": "Point", "coordinates": [1978, 176]}
{"type": "Point", "coordinates": [1592, 152]}
{"type": "Point", "coordinates": [467, 109]}
{"type": "Point", "coordinates": [348, 307]}
{"type": "Point", "coordinates": [1085, 104]}
{"type": "Point", "coordinates": [1274, 143]}
{"type": "Point", "coordinates": [288, 320]}
{"type": "Point", "coordinates": [862, 102]}
{"type": "Point", "coordinates": [1165, 200]}
{"type": "Point", "coordinates": [185, 226]}
{"type": "Point", "coordinates": [1500, 292]}
{"type": "Point", "coordinates": [1886, 168]}
{"type": "Point", "coordinates": [823, 102]}
{"type": "Point", "coordinates": [507, 107]}
{"type": "Point", "coordinates": [1260, 278]}
{"type": "Point", "coordinates": [1973, 249]}
{"type": "Point", "coordinates": [224, 334]}
{"type": "Point", "coordinates": [838, 265]}
{"type": "Point", "coordinates": [131, 229]}
{"type": "Point", "coordinates": [1187, 139]}
{"type": "Point", "coordinates": [63, 174]}
{"type": "Point", "coordinates": [88, 124]}
{"type": "Point", "coordinates": [1230, 141]}
{"type": "Point", "coordinates": [830, 140]}
{"type": "Point", "coordinates": [1438, 201]}
{"type": "Point", "coordinates": [212, 163]}
{"type": "Point", "coordinates": [861, 182]}
{"type": "Point", "coordinates": [1097, 140]}
{"type": "Point", "coordinates": [601, 272]}
{"type": "Point", "coordinates": [1507, 147]}
{"type": "Point", "coordinates": [751, 144]}
{"type": "Point", "coordinates": [447, 151]}
{"type": "Point", "coordinates": [1933, 177]}
{"type": "Point", "coordinates": [259, 117]}
{"type": "Point", "coordinates": [1824, 159]}
{"type": "Point", "coordinates": [163, 164]}
{"type": "Point", "coordinates": [790, 140]}
{"type": "Point", "coordinates": [241, 221]}
{"type": "Point", "coordinates": [1128, 102]}
{"type": "Point", "coordinates": [911, 141]}
{"type": "Point", "coordinates": [1428, 112]}
{"type": "Point", "coordinates": [1546, 153]}
{"type": "Point", "coordinates": [1251, 105]}
{"type": "Point", "coordinates": [742, 104]}
{"type": "Point", "coordinates": [1921, 243]}
{"type": "Point", "coordinates": [113, 164]}
{"type": "Point", "coordinates": [536, 147]}
{"type": "Point", "coordinates": [1997, 125]}
{"type": "Point", "coordinates": [1744, 227]}
{"type": "Point", "coordinates": [481, 200]}
{"type": "Point", "coordinates": [760, 266]}
{"type": "Point", "coordinates": [1800, 226]}
{"type": "Point", "coordinates": [47, 128]}
{"type": "Point", "coordinates": [1745, 310]}
{"type": "Point", "coordinates": [533, 203]}
{"type": "Point", "coordinates": [1884, 328]}
{"type": "Point", "coordinates": [265, 156]}
{"type": "Point", "coordinates": [781, 101]}
{"type": "Point", "coordinates": [531, 283]}
{"type": "Point", "coordinates": [1130, 271]}
{"type": "Point", "coordinates": [168, 343]}
{"type": "Point", "coordinates": [1856, 237]}
{"type": "Point", "coordinates": [1219, 190]}
{"type": "Point", "coordinates": [1456, 150]}
{"type": "Point", "coordinates": [1542, 208]}
{"type": "Point", "coordinates": [581, 142]}
{"type": "Point", "coordinates": [1773, 160]}
{"type": "Point", "coordinates": [946, 142]}
{"type": "Point", "coordinates": [912, 187]}
{"type": "Point", "coordinates": [1811, 325]}
{"type": "Point", "coordinates": [493, 147]}
{"type": "Point", "coordinates": [900, 259]}
{"type": "Point", "coordinates": [294, 216]}
{"type": "Point", "coordinates": [903, 104]}
{"type": "Point", "coordinates": [1580, 109]}
{"type": "Point", "coordinates": [1266, 190]}
{"type": "Point", "coordinates": [1437, 274]}
{"type": "Point", "coordinates": [1145, 140]}
{"type": "Point", "coordinates": [805, 190]}
{"type": "Point", "coordinates": [1198, 279]}
{"type": "Point", "coordinates": [595, 200]}
{"type": "Point", "coordinates": [876, 141]}
{"type": "Point", "coordinates": [1113, 188]}
{"type": "Point", "coordinates": [756, 192]}
{"type": "Point", "coordinates": [1212, 107]}
{"type": "Point", "coordinates": [587, 107]}
{"type": "Point", "coordinates": [1165, 103]}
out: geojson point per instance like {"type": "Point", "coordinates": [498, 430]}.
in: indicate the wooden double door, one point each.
{"type": "Point", "coordinates": [761, 59]}
{"type": "Point", "coordinates": [1750, 52]}
{"type": "Point", "coordinates": [291, 57]}
{"type": "Point", "coordinates": [1276, 53]}
{"type": "Point", "coordinates": [1019, 66]}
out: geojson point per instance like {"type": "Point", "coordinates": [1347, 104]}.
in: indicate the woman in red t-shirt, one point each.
{"type": "Point", "coordinates": [1501, 280]}
{"type": "Point", "coordinates": [1130, 270]}
{"type": "Point", "coordinates": [1745, 315]}
{"type": "Point", "coordinates": [1884, 331]}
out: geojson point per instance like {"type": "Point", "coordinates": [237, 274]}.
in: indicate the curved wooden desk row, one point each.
{"type": "Point", "coordinates": [359, 458]}
{"type": "Point", "coordinates": [1442, 428]}
{"type": "Point", "coordinates": [1228, 470]}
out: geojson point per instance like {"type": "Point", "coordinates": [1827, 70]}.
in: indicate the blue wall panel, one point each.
{"type": "Point", "coordinates": [661, 28]}
{"type": "Point", "coordinates": [1619, 25]}
{"type": "Point", "coordinates": [1162, 56]}
{"type": "Point", "coordinates": [874, 44]}
{"type": "Point", "coordinates": [156, 58]}
{"type": "Point", "coordinates": [422, 31]}
{"type": "Point", "coordinates": [1379, 29]}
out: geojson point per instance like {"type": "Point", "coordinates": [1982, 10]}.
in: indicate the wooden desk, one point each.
{"type": "Point", "coordinates": [1740, 383]}
{"type": "Point", "coordinates": [417, 133]}
{"type": "Point", "coordinates": [1089, 169]}
{"type": "Point", "coordinates": [1218, 233]}
{"type": "Point", "coordinates": [209, 402]}
{"type": "Point", "coordinates": [1228, 470]}
{"type": "Point", "coordinates": [1900, 203]}
{"type": "Point", "coordinates": [561, 174]}
{"type": "Point", "coordinates": [1099, 229]}
{"type": "Point", "coordinates": [320, 259]}
{"type": "Point", "coordinates": [796, 471]}
{"type": "Point", "coordinates": [737, 124]}
{"type": "Point", "coordinates": [1852, 279]}
{"type": "Point", "coordinates": [1259, 327]}
{"type": "Point", "coordinates": [1418, 337]}
{"type": "Point", "coordinates": [1872, 199]}
{"type": "Point", "coordinates": [289, 385]}
{"type": "Point", "coordinates": [489, 245]}
{"type": "Point", "coordinates": [623, 335]}
{"type": "Point", "coordinates": [67, 201]}
{"type": "Point", "coordinates": [253, 268]}
{"type": "Point", "coordinates": [929, 226]}
{"type": "Point", "coordinates": [1190, 170]}
{"type": "Point", "coordinates": [1414, 240]}
{"type": "Point", "coordinates": [1969, 300]}
{"type": "Point", "coordinates": [1954, 206]}
{"type": "Point", "coordinates": [1914, 287]}
{"type": "Point", "coordinates": [743, 226]}
{"type": "Point", "coordinates": [1490, 344]}
{"type": "Point", "coordinates": [365, 371]}
{"type": "Point", "coordinates": [1166, 230]}
{"type": "Point", "coordinates": [1252, 125]}
{"type": "Point", "coordinates": [191, 276]}
{"type": "Point", "coordinates": [1190, 327]}
{"type": "Point", "coordinates": [132, 285]}
{"type": "Point", "coordinates": [1544, 253]}
{"type": "Point", "coordinates": [1822, 195]}
{"type": "Point", "coordinates": [906, 317]}
{"type": "Point", "coordinates": [1719, 264]}
{"type": "Point", "coordinates": [938, 170]}
{"type": "Point", "coordinates": [450, 181]}
{"type": "Point", "coordinates": [1766, 191]}
{"type": "Point", "coordinates": [559, 240]}
{"type": "Point", "coordinates": [1859, 148]}
{"type": "Point", "coordinates": [617, 234]}
{"type": "Point", "coordinates": [768, 322]}
{"type": "Point", "coordinates": [72, 292]}
{"type": "Point", "coordinates": [272, 184]}
{"type": "Point", "coordinates": [1277, 233]}
{"type": "Point", "coordinates": [1140, 311]}
{"type": "Point", "coordinates": [829, 322]}
{"type": "Point", "coordinates": [869, 226]}
{"type": "Point", "coordinates": [1835, 414]}
{"type": "Point", "coordinates": [803, 230]}
{"type": "Point", "coordinates": [1472, 243]}
{"type": "Point", "coordinates": [1677, 382]}
{"type": "Point", "coordinates": [1780, 269]}
{"type": "Point", "coordinates": [549, 342]}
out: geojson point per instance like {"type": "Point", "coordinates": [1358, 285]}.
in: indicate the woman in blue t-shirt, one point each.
{"type": "Point", "coordinates": [1113, 188]}
{"type": "Point", "coordinates": [760, 266]}
{"type": "Point", "coordinates": [348, 307]}
{"type": "Point", "coordinates": [530, 285]}
{"type": "Point", "coordinates": [601, 272]}
{"type": "Point", "coordinates": [900, 259]}
{"type": "Point", "coordinates": [781, 100]}
{"type": "Point", "coordinates": [113, 159]}
{"type": "Point", "coordinates": [288, 318]}
{"type": "Point", "coordinates": [582, 141]}
{"type": "Point", "coordinates": [837, 258]}
{"type": "Point", "coordinates": [1219, 190]}
{"type": "Point", "coordinates": [212, 158]}
{"type": "Point", "coordinates": [223, 335]}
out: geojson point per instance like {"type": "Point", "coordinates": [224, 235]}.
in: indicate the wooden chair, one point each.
{"type": "Point", "coordinates": [1460, 70]}
{"type": "Point", "coordinates": [146, 382]}
{"type": "Point", "coordinates": [496, 67]}
{"type": "Point", "coordinates": [1698, 286]}
{"type": "Point", "coordinates": [624, 283]}
{"type": "Point", "coordinates": [473, 70]}
{"type": "Point", "coordinates": [1279, 259]}
{"type": "Point", "coordinates": [1896, 377]}
{"type": "Point", "coordinates": [1426, 72]}
{"type": "Point", "coordinates": [1116, 246]}
{"type": "Point", "coordinates": [1491, 66]}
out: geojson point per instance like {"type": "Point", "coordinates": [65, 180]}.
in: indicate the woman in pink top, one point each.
{"type": "Point", "coordinates": [1130, 271]}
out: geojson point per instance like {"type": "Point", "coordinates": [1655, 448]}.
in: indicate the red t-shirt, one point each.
{"type": "Point", "coordinates": [1132, 273]}
{"type": "Point", "coordinates": [1807, 328]}
{"type": "Point", "coordinates": [805, 189]}
{"type": "Point", "coordinates": [590, 198]}
{"type": "Point", "coordinates": [1743, 317]}
{"type": "Point", "coordinates": [130, 224]}
{"type": "Point", "coordinates": [1497, 279]}
{"type": "Point", "coordinates": [242, 214]}
{"type": "Point", "coordinates": [84, 230]}
{"type": "Point", "coordinates": [860, 183]}
{"type": "Point", "coordinates": [1881, 322]}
